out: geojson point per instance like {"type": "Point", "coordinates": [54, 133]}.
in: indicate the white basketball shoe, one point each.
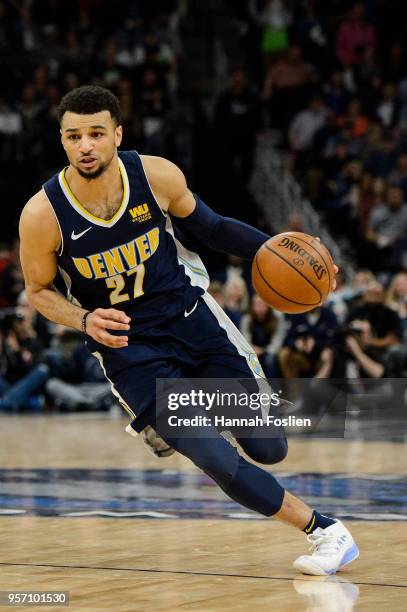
{"type": "Point", "coordinates": [332, 549]}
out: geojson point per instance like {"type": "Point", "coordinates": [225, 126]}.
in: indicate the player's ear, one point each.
{"type": "Point", "coordinates": [62, 137]}
{"type": "Point", "coordinates": [118, 135]}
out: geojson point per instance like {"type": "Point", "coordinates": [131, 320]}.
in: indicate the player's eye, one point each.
{"type": "Point", "coordinates": [73, 137]}
{"type": "Point", "coordinates": [96, 134]}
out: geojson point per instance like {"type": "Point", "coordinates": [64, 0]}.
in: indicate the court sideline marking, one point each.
{"type": "Point", "coordinates": [189, 573]}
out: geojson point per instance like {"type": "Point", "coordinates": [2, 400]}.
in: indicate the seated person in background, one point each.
{"type": "Point", "coordinates": [353, 354]}
{"type": "Point", "coordinates": [320, 324]}
{"type": "Point", "coordinates": [358, 287]}
{"type": "Point", "coordinates": [264, 328]}
{"type": "Point", "coordinates": [236, 298]}
{"type": "Point", "coordinates": [344, 369]}
{"type": "Point", "coordinates": [386, 328]}
{"type": "Point", "coordinates": [387, 231]}
{"type": "Point", "coordinates": [338, 300]}
{"type": "Point", "coordinates": [11, 280]}
{"type": "Point", "coordinates": [217, 291]}
{"type": "Point", "coordinates": [82, 386]}
{"type": "Point", "coordinates": [23, 373]}
{"type": "Point", "coordinates": [396, 299]}
{"type": "Point", "coordinates": [236, 267]}
{"type": "Point", "coordinates": [41, 327]}
{"type": "Point", "coordinates": [298, 359]}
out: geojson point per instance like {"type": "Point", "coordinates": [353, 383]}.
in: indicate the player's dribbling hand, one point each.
{"type": "Point", "coordinates": [103, 319]}
{"type": "Point", "coordinates": [335, 268]}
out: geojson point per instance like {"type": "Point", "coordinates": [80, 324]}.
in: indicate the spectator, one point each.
{"type": "Point", "coordinates": [11, 126]}
{"type": "Point", "coordinates": [319, 324]}
{"type": "Point", "coordinates": [338, 301]}
{"type": "Point", "coordinates": [354, 34]}
{"type": "Point", "coordinates": [217, 291]}
{"type": "Point", "coordinates": [396, 299]}
{"type": "Point", "coordinates": [11, 280]}
{"type": "Point", "coordinates": [264, 328]}
{"type": "Point", "coordinates": [275, 19]}
{"type": "Point", "coordinates": [388, 107]}
{"type": "Point", "coordinates": [344, 193]}
{"type": "Point", "coordinates": [236, 298]}
{"type": "Point", "coordinates": [24, 375]}
{"type": "Point", "coordinates": [399, 175]}
{"type": "Point", "coordinates": [380, 160]}
{"type": "Point", "coordinates": [298, 360]}
{"type": "Point", "coordinates": [354, 118]}
{"type": "Point", "coordinates": [345, 368]}
{"type": "Point", "coordinates": [359, 284]}
{"type": "Point", "coordinates": [373, 190]}
{"type": "Point", "coordinates": [235, 267]}
{"type": "Point", "coordinates": [311, 31]}
{"type": "Point", "coordinates": [237, 121]}
{"type": "Point", "coordinates": [306, 123]}
{"type": "Point", "coordinates": [386, 327]}
{"type": "Point", "coordinates": [82, 385]}
{"type": "Point", "coordinates": [387, 230]}
{"type": "Point", "coordinates": [287, 86]}
{"type": "Point", "coordinates": [336, 94]}
{"type": "Point", "coordinates": [354, 356]}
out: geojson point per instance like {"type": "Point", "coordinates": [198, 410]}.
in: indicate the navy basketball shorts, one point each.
{"type": "Point", "coordinates": [201, 342]}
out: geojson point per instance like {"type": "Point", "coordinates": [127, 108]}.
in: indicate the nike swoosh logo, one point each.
{"type": "Point", "coordinates": [76, 236]}
{"type": "Point", "coordinates": [186, 313]}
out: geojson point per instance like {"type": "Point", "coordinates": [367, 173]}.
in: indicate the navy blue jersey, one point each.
{"type": "Point", "coordinates": [132, 261]}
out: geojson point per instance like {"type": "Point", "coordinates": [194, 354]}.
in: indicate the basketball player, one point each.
{"type": "Point", "coordinates": [106, 222]}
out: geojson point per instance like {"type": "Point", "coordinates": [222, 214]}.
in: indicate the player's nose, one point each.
{"type": "Point", "coordinates": [85, 145]}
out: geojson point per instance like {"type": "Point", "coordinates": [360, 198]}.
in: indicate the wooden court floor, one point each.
{"type": "Point", "coordinates": [206, 563]}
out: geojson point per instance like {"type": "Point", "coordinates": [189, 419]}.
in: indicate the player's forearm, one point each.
{"type": "Point", "coordinates": [53, 306]}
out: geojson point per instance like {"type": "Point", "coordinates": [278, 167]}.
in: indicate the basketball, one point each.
{"type": "Point", "coordinates": [293, 272]}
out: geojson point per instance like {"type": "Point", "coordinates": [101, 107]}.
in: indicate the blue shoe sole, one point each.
{"type": "Point", "coordinates": [350, 556]}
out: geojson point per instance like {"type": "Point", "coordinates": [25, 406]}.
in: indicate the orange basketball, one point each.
{"type": "Point", "coordinates": [293, 272]}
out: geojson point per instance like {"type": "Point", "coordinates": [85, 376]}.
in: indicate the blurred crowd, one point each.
{"type": "Point", "coordinates": [329, 78]}
{"type": "Point", "coordinates": [48, 47]}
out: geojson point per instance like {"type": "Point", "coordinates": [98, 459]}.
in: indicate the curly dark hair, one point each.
{"type": "Point", "coordinates": [90, 99]}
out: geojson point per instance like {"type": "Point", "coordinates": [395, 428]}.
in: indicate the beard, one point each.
{"type": "Point", "coordinates": [95, 173]}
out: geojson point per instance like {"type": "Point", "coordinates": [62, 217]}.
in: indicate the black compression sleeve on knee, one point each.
{"type": "Point", "coordinates": [256, 489]}
{"type": "Point", "coordinates": [221, 233]}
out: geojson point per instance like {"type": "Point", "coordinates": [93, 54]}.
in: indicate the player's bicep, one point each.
{"type": "Point", "coordinates": [39, 267]}
{"type": "Point", "coordinates": [38, 242]}
{"type": "Point", "coordinates": [183, 205]}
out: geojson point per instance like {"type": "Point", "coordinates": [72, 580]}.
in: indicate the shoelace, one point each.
{"type": "Point", "coordinates": [323, 543]}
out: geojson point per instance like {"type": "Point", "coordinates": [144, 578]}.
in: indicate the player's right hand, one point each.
{"type": "Point", "coordinates": [102, 319]}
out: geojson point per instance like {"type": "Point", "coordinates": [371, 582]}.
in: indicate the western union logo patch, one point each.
{"type": "Point", "coordinates": [140, 213]}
